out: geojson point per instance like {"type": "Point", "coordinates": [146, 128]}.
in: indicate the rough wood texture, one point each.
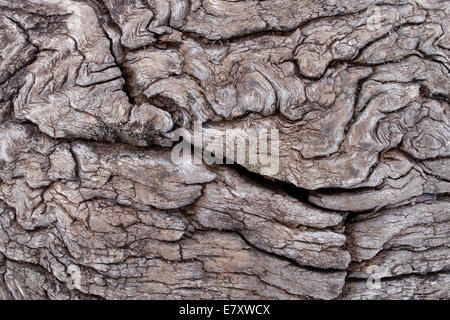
{"type": "Point", "coordinates": [93, 92]}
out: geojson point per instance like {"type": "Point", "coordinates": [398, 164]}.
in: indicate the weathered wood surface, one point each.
{"type": "Point", "coordinates": [91, 95]}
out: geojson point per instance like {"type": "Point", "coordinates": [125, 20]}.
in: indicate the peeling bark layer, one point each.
{"type": "Point", "coordinates": [93, 94]}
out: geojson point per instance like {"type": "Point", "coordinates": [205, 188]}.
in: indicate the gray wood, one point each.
{"type": "Point", "coordinates": [92, 94]}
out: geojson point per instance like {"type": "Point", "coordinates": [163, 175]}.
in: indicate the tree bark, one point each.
{"type": "Point", "coordinates": [94, 93]}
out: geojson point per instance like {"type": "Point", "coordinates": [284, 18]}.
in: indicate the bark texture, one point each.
{"type": "Point", "coordinates": [92, 93]}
